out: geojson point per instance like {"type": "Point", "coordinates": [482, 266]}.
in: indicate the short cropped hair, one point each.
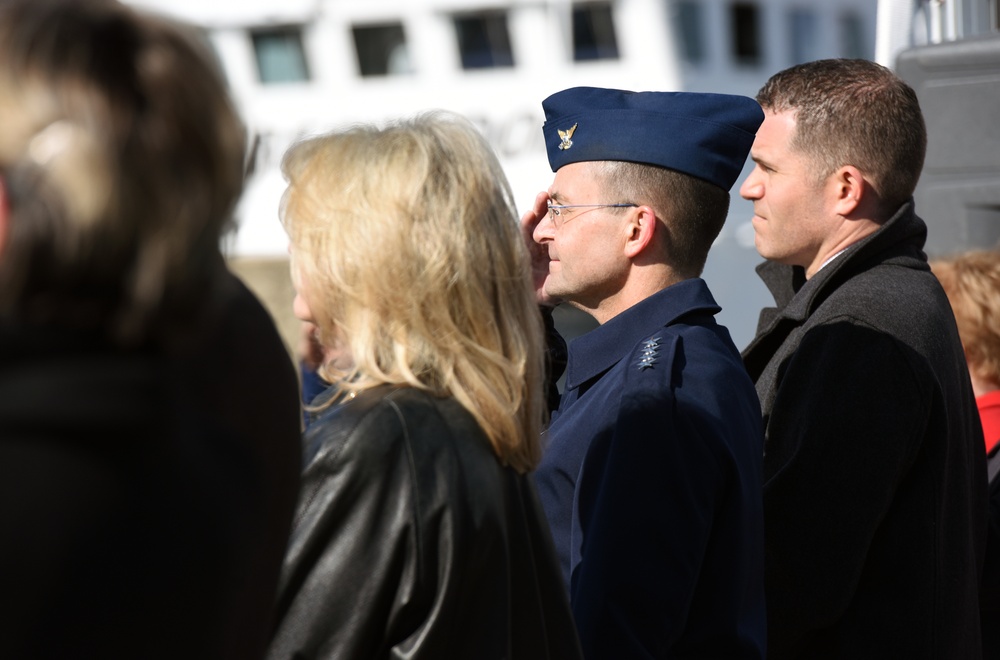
{"type": "Point", "coordinates": [408, 245]}
{"type": "Point", "coordinates": [693, 211]}
{"type": "Point", "coordinates": [972, 282]}
{"type": "Point", "coordinates": [122, 157]}
{"type": "Point", "coordinates": [854, 112]}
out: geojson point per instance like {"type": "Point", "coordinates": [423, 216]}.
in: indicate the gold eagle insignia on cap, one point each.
{"type": "Point", "coordinates": [565, 137]}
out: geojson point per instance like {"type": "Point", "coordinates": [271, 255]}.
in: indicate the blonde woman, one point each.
{"type": "Point", "coordinates": [418, 533]}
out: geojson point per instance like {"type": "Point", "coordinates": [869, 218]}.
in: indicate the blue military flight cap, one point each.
{"type": "Point", "coordinates": [704, 135]}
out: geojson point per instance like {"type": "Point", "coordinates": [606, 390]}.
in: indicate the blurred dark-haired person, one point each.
{"type": "Point", "coordinates": [874, 476]}
{"type": "Point", "coordinates": [418, 533]}
{"type": "Point", "coordinates": [148, 410]}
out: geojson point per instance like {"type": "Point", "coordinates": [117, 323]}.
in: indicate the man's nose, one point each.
{"type": "Point", "coordinates": [752, 187]}
{"type": "Point", "coordinates": [544, 230]}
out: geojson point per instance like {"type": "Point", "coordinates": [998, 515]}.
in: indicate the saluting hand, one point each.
{"type": "Point", "coordinates": [539, 253]}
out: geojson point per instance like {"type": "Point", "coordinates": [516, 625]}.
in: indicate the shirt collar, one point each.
{"type": "Point", "coordinates": [601, 348]}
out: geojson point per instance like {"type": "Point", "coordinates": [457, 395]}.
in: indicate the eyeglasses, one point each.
{"type": "Point", "coordinates": [556, 211]}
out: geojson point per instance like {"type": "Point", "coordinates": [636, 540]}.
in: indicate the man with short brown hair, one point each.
{"type": "Point", "coordinates": [874, 477]}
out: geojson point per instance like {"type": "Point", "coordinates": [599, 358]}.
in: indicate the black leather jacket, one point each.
{"type": "Point", "coordinates": [411, 540]}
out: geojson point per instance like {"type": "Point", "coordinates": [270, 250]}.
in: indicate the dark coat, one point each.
{"type": "Point", "coordinates": [146, 495]}
{"type": "Point", "coordinates": [989, 596]}
{"type": "Point", "coordinates": [874, 474]}
{"type": "Point", "coordinates": [651, 483]}
{"type": "Point", "coordinates": [412, 540]}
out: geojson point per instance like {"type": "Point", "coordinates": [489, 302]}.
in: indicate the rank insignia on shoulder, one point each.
{"type": "Point", "coordinates": [649, 354]}
{"type": "Point", "coordinates": [565, 137]}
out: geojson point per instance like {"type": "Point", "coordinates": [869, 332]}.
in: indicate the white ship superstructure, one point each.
{"type": "Point", "coordinates": [304, 66]}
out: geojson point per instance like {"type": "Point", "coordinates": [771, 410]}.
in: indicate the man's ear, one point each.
{"type": "Point", "coordinates": [850, 190]}
{"type": "Point", "coordinates": [641, 228]}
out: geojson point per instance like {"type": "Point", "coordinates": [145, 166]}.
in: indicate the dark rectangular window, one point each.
{"type": "Point", "coordinates": [803, 33]}
{"type": "Point", "coordinates": [745, 21]}
{"type": "Point", "coordinates": [381, 50]}
{"type": "Point", "coordinates": [483, 40]}
{"type": "Point", "coordinates": [280, 55]}
{"type": "Point", "coordinates": [594, 32]}
{"type": "Point", "coordinates": [689, 29]}
{"type": "Point", "coordinates": [852, 37]}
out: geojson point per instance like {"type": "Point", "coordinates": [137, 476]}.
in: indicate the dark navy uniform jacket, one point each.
{"type": "Point", "coordinates": [651, 484]}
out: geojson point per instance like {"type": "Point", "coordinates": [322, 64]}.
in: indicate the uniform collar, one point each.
{"type": "Point", "coordinates": [601, 348]}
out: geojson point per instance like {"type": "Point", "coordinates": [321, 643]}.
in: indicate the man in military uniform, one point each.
{"type": "Point", "coordinates": [651, 477]}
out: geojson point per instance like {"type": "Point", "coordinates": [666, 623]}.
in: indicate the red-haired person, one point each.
{"type": "Point", "coordinates": [972, 282]}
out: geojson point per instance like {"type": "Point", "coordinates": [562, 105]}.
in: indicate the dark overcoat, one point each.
{"type": "Point", "coordinates": [146, 493]}
{"type": "Point", "coordinates": [874, 473]}
{"type": "Point", "coordinates": [650, 481]}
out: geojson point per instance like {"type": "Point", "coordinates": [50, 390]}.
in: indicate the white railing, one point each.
{"type": "Point", "coordinates": [903, 24]}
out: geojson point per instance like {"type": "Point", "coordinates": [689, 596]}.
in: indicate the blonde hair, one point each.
{"type": "Point", "coordinates": [122, 158]}
{"type": "Point", "coordinates": [409, 244]}
{"type": "Point", "coordinates": [972, 284]}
